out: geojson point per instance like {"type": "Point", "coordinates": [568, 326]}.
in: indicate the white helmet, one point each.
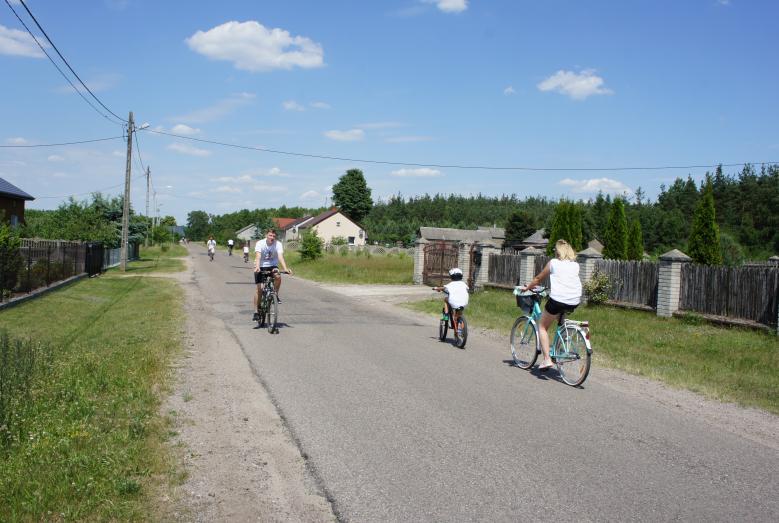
{"type": "Point", "coordinates": [455, 273]}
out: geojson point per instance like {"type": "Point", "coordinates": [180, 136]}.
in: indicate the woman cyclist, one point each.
{"type": "Point", "coordinates": [564, 294]}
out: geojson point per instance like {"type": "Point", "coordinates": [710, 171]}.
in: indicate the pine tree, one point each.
{"type": "Point", "coordinates": [616, 237]}
{"type": "Point", "coordinates": [635, 242]}
{"type": "Point", "coordinates": [704, 244]}
{"type": "Point", "coordinates": [566, 225]}
{"type": "Point", "coordinates": [519, 226]}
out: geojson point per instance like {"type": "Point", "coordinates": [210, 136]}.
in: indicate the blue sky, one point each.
{"type": "Point", "coordinates": [564, 84]}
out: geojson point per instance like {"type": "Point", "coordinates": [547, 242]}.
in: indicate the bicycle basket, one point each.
{"type": "Point", "coordinates": [526, 302]}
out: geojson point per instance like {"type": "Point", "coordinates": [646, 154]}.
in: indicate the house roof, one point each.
{"type": "Point", "coordinates": [9, 189]}
{"type": "Point", "coordinates": [294, 223]}
{"type": "Point", "coordinates": [282, 223]}
{"type": "Point", "coordinates": [537, 238]}
{"type": "Point", "coordinates": [319, 218]}
{"type": "Point", "coordinates": [491, 235]}
{"type": "Point", "coordinates": [595, 244]}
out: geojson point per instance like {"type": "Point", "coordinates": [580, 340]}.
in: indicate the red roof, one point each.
{"type": "Point", "coordinates": [282, 223]}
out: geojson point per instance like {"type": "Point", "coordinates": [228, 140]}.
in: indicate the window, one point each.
{"type": "Point", "coordinates": [351, 240]}
{"type": "Point", "coordinates": [14, 220]}
{"type": "Point", "coordinates": [362, 233]}
{"type": "Point", "coordinates": [337, 224]}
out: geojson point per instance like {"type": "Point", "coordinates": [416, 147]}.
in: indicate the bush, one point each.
{"type": "Point", "coordinates": [311, 246]}
{"type": "Point", "coordinates": [338, 240]}
{"type": "Point", "coordinates": [598, 289]}
{"type": "Point", "coordinates": [11, 261]}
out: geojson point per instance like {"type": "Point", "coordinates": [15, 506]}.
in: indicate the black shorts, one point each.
{"type": "Point", "coordinates": [555, 307]}
{"type": "Point", "coordinates": [260, 277]}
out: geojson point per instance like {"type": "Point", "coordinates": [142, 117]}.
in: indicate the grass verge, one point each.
{"type": "Point", "coordinates": [350, 268]}
{"type": "Point", "coordinates": [88, 442]}
{"type": "Point", "coordinates": [159, 259]}
{"type": "Point", "coordinates": [729, 364]}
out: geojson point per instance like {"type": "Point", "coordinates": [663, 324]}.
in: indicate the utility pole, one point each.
{"type": "Point", "coordinates": [126, 209]}
{"type": "Point", "coordinates": [148, 185]}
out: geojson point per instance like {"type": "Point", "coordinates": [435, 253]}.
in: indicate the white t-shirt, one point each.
{"type": "Point", "coordinates": [211, 245]}
{"type": "Point", "coordinates": [230, 243]}
{"type": "Point", "coordinates": [246, 249]}
{"type": "Point", "coordinates": [457, 293]}
{"type": "Point", "coordinates": [269, 254]}
{"type": "Point", "coordinates": [566, 285]}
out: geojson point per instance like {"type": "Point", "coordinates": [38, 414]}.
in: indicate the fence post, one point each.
{"type": "Point", "coordinates": [587, 260]}
{"type": "Point", "coordinates": [481, 275]}
{"type": "Point", "coordinates": [464, 258]}
{"type": "Point", "coordinates": [670, 282]}
{"type": "Point", "coordinates": [419, 260]}
{"type": "Point", "coordinates": [527, 265]}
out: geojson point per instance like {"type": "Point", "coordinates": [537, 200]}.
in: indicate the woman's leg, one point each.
{"type": "Point", "coordinates": [543, 337]}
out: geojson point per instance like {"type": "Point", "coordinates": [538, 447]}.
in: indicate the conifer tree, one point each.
{"type": "Point", "coordinates": [635, 242]}
{"type": "Point", "coordinates": [704, 244]}
{"type": "Point", "coordinates": [616, 238]}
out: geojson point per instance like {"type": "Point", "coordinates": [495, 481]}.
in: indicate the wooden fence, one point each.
{"type": "Point", "coordinates": [504, 269]}
{"type": "Point", "coordinates": [633, 282]}
{"type": "Point", "coordinates": [737, 292]}
{"type": "Point", "coordinates": [541, 262]}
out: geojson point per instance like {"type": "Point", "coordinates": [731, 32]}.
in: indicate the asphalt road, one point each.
{"type": "Point", "coordinates": [400, 427]}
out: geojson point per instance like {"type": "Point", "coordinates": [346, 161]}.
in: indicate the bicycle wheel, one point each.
{"type": "Point", "coordinates": [461, 332]}
{"type": "Point", "coordinates": [443, 328]}
{"type": "Point", "coordinates": [572, 356]}
{"type": "Point", "coordinates": [524, 343]}
{"type": "Point", "coordinates": [273, 313]}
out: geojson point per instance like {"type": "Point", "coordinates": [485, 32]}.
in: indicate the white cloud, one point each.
{"type": "Point", "coordinates": [119, 154]}
{"type": "Point", "coordinates": [408, 139]}
{"type": "Point", "coordinates": [250, 46]}
{"type": "Point", "coordinates": [422, 172]}
{"type": "Point", "coordinates": [233, 179]}
{"type": "Point", "coordinates": [576, 85]}
{"type": "Point", "coordinates": [449, 6]}
{"type": "Point", "coordinates": [310, 195]}
{"type": "Point", "coordinates": [508, 91]}
{"type": "Point", "coordinates": [292, 105]}
{"type": "Point", "coordinates": [379, 125]}
{"type": "Point", "coordinates": [352, 135]}
{"type": "Point", "coordinates": [595, 185]}
{"type": "Point", "coordinates": [320, 105]}
{"type": "Point", "coordinates": [184, 130]}
{"type": "Point", "coordinates": [16, 141]}
{"type": "Point", "coordinates": [189, 150]}
{"type": "Point", "coordinates": [56, 158]}
{"type": "Point", "coordinates": [228, 188]}
{"type": "Point", "coordinates": [264, 187]}
{"type": "Point", "coordinates": [14, 42]}
{"type": "Point", "coordinates": [249, 176]}
{"type": "Point", "coordinates": [723, 2]}
{"type": "Point", "coordinates": [218, 110]}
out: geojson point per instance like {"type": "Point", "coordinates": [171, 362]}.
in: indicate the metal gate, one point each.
{"type": "Point", "coordinates": [439, 258]}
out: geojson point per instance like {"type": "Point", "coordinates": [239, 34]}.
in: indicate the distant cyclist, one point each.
{"type": "Point", "coordinates": [456, 292]}
{"type": "Point", "coordinates": [565, 292]}
{"type": "Point", "coordinates": [211, 244]}
{"type": "Point", "coordinates": [246, 252]}
{"type": "Point", "coordinates": [230, 244]}
{"type": "Point", "coordinates": [269, 253]}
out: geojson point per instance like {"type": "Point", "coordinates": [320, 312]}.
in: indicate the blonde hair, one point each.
{"type": "Point", "coordinates": [564, 251]}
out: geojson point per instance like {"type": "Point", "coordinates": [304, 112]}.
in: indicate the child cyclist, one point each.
{"type": "Point", "coordinates": [246, 252]}
{"type": "Point", "coordinates": [456, 295]}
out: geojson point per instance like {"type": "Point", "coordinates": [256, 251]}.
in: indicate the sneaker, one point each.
{"type": "Point", "coordinates": [256, 316]}
{"type": "Point", "coordinates": [278, 299]}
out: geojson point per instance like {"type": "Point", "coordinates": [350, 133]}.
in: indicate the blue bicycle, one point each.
{"type": "Point", "coordinates": [570, 350]}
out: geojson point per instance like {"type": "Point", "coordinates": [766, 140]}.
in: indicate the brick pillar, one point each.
{"type": "Point", "coordinates": [419, 260]}
{"type": "Point", "coordinates": [482, 273]}
{"type": "Point", "coordinates": [587, 260]}
{"type": "Point", "coordinates": [527, 265]}
{"type": "Point", "coordinates": [464, 258]}
{"type": "Point", "coordinates": [670, 280]}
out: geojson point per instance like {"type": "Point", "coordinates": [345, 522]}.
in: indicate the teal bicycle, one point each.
{"type": "Point", "coordinates": [570, 350]}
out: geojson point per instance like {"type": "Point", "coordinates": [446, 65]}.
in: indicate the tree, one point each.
{"type": "Point", "coordinates": [519, 226]}
{"type": "Point", "coordinates": [168, 221]}
{"type": "Point", "coordinates": [197, 226]}
{"type": "Point", "coordinates": [11, 261]}
{"type": "Point", "coordinates": [261, 227]}
{"type": "Point", "coordinates": [635, 241]}
{"type": "Point", "coordinates": [352, 195]}
{"type": "Point", "coordinates": [615, 242]}
{"type": "Point", "coordinates": [704, 244]}
{"type": "Point", "coordinates": [311, 246]}
{"type": "Point", "coordinates": [566, 225]}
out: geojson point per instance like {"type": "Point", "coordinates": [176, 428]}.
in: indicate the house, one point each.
{"type": "Point", "coordinates": [12, 201]}
{"type": "Point", "coordinates": [328, 225]}
{"type": "Point", "coordinates": [484, 235]}
{"type": "Point", "coordinates": [249, 232]}
{"type": "Point", "coordinates": [535, 240]}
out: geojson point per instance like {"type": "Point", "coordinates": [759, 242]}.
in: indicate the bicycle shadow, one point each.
{"type": "Point", "coordinates": [279, 326]}
{"type": "Point", "coordinates": [544, 375]}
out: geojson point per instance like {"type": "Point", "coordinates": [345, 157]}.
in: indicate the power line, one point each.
{"type": "Point", "coordinates": [64, 60]}
{"type": "Point", "coordinates": [57, 66]}
{"type": "Point", "coordinates": [30, 146]}
{"type": "Point", "coordinates": [138, 150]}
{"type": "Point", "coordinates": [452, 166]}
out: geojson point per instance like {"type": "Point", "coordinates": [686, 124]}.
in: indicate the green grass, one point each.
{"type": "Point", "coordinates": [366, 269]}
{"type": "Point", "coordinates": [730, 364]}
{"type": "Point", "coordinates": [155, 259]}
{"type": "Point", "coordinates": [92, 440]}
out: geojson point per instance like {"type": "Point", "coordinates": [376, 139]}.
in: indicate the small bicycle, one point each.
{"type": "Point", "coordinates": [570, 350]}
{"type": "Point", "coordinates": [268, 304]}
{"type": "Point", "coordinates": [211, 255]}
{"type": "Point", "coordinates": [460, 330]}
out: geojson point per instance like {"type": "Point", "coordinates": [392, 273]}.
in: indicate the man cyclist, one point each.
{"type": "Point", "coordinates": [230, 247]}
{"type": "Point", "coordinates": [269, 253]}
{"type": "Point", "coordinates": [211, 244]}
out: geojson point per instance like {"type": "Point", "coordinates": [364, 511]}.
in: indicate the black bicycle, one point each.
{"type": "Point", "coordinates": [268, 304]}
